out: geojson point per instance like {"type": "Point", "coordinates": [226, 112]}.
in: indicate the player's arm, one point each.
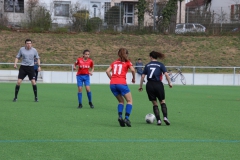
{"type": "Point", "coordinates": [141, 82]}
{"type": "Point", "coordinates": [133, 73]}
{"type": "Point", "coordinates": [92, 68]}
{"type": "Point", "coordinates": [74, 65]}
{"type": "Point", "coordinates": [39, 67]}
{"type": "Point", "coordinates": [108, 72]}
{"type": "Point", "coordinates": [168, 79]}
{"type": "Point", "coordinates": [15, 62]}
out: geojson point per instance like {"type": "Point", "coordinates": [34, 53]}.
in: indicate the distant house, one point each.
{"type": "Point", "coordinates": [16, 10]}
{"type": "Point", "coordinates": [224, 11]}
{"type": "Point", "coordinates": [229, 9]}
{"type": "Point", "coordinates": [195, 4]}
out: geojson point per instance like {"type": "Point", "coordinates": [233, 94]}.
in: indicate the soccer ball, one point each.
{"type": "Point", "coordinates": [150, 118]}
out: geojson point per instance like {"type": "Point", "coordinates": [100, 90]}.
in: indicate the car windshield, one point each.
{"type": "Point", "coordinates": [189, 26]}
{"type": "Point", "coordinates": [179, 26]}
{"type": "Point", "coordinates": [198, 26]}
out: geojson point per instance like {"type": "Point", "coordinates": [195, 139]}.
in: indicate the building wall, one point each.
{"type": "Point", "coordinates": [17, 18]}
{"type": "Point", "coordinates": [182, 13]}
{"type": "Point", "coordinates": [56, 12]}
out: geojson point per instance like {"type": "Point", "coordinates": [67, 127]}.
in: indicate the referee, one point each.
{"type": "Point", "coordinates": [154, 86]}
{"type": "Point", "coordinates": [27, 53]}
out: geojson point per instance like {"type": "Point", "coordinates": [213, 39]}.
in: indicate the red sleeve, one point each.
{"type": "Point", "coordinates": [76, 63]}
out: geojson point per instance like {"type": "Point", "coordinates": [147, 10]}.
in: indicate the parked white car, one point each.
{"type": "Point", "coordinates": [189, 28]}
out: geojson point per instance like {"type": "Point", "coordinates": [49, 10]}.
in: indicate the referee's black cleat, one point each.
{"type": "Point", "coordinates": [127, 122]}
{"type": "Point", "coordinates": [121, 122]}
{"type": "Point", "coordinates": [80, 106]}
{"type": "Point", "coordinates": [14, 99]}
{"type": "Point", "coordinates": [91, 105]}
{"type": "Point", "coordinates": [36, 99]}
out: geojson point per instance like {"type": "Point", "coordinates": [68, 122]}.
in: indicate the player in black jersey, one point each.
{"type": "Point", "coordinates": [154, 87]}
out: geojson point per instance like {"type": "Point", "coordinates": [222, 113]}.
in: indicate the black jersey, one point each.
{"type": "Point", "coordinates": [154, 70]}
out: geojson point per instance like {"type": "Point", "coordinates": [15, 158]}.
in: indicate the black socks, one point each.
{"type": "Point", "coordinates": [156, 112]}
{"type": "Point", "coordinates": [16, 90]}
{"type": "Point", "coordinates": [164, 109]}
{"type": "Point", "coordinates": [35, 90]}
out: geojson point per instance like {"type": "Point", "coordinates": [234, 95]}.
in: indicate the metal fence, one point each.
{"type": "Point", "coordinates": [190, 72]}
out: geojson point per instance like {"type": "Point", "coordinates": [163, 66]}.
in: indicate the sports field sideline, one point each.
{"type": "Point", "coordinates": [205, 124]}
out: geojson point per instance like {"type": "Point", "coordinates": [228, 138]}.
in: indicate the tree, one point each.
{"type": "Point", "coordinates": [80, 20]}
{"type": "Point", "coordinates": [31, 5]}
{"type": "Point", "coordinates": [112, 16]}
{"type": "Point", "coordinates": [169, 16]}
{"type": "Point", "coordinates": [141, 6]}
{"type": "Point", "coordinates": [39, 16]}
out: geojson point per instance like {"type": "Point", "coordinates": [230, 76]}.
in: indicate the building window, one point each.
{"type": "Point", "coordinates": [94, 10]}
{"type": "Point", "coordinates": [107, 6]}
{"type": "Point", "coordinates": [61, 8]}
{"type": "Point", "coordinates": [117, 4]}
{"type": "Point", "coordinates": [129, 13]}
{"type": "Point", "coordinates": [235, 12]}
{"type": "Point", "coordinates": [16, 6]}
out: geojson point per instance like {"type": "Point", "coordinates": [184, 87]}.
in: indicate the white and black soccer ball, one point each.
{"type": "Point", "coordinates": [150, 118]}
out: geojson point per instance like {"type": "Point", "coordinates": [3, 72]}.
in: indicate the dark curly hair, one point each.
{"type": "Point", "coordinates": [156, 55]}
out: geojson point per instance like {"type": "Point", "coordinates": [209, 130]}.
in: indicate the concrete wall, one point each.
{"type": "Point", "coordinates": [101, 78]}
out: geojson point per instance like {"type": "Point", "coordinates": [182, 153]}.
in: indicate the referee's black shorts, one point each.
{"type": "Point", "coordinates": [155, 90]}
{"type": "Point", "coordinates": [26, 71]}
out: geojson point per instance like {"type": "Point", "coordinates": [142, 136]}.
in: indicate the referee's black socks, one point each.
{"type": "Point", "coordinates": [35, 90]}
{"type": "Point", "coordinates": [16, 90]}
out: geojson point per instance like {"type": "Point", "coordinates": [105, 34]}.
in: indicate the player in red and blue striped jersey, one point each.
{"type": "Point", "coordinates": [85, 70]}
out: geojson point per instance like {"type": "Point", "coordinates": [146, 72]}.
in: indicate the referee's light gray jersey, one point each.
{"type": "Point", "coordinates": [27, 56]}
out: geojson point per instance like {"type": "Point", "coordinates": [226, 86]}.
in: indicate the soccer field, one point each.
{"type": "Point", "coordinates": [205, 124]}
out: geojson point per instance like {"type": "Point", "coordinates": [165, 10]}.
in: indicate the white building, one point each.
{"type": "Point", "coordinates": [16, 10]}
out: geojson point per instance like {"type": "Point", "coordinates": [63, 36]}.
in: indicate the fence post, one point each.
{"type": "Point", "coordinates": [234, 73]}
{"type": "Point", "coordinates": [193, 74]}
{"type": "Point", "coordinates": [72, 73]}
{"type": "Point", "coordinates": [221, 19]}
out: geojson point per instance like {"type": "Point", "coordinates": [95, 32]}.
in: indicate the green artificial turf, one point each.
{"type": "Point", "coordinates": [205, 124]}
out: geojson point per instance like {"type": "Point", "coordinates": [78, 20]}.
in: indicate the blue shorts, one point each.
{"type": "Point", "coordinates": [85, 78]}
{"type": "Point", "coordinates": [121, 89]}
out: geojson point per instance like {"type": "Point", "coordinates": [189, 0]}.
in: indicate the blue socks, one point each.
{"type": "Point", "coordinates": [120, 110]}
{"type": "Point", "coordinates": [89, 94]}
{"type": "Point", "coordinates": [128, 110]}
{"type": "Point", "coordinates": [79, 97]}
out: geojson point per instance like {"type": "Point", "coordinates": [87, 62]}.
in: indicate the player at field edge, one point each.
{"type": "Point", "coordinates": [85, 70]}
{"type": "Point", "coordinates": [27, 53]}
{"type": "Point", "coordinates": [117, 72]}
{"type": "Point", "coordinates": [154, 87]}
